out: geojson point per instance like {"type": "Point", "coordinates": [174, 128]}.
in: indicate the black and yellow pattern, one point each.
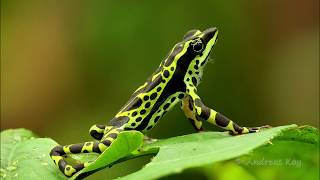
{"type": "Point", "coordinates": [57, 153]}
{"type": "Point", "coordinates": [174, 81]}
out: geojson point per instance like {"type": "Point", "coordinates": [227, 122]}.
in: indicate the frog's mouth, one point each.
{"type": "Point", "coordinates": [208, 59]}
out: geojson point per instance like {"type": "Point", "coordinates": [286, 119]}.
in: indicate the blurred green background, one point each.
{"type": "Point", "coordinates": [66, 65]}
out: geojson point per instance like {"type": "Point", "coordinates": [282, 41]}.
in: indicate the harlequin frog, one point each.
{"type": "Point", "coordinates": [174, 81]}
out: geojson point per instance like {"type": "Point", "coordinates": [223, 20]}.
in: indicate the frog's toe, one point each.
{"type": "Point", "coordinates": [257, 129]}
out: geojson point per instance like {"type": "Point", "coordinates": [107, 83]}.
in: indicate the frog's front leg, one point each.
{"type": "Point", "coordinates": [189, 111]}
{"type": "Point", "coordinates": [202, 112]}
{"type": "Point", "coordinates": [57, 153]}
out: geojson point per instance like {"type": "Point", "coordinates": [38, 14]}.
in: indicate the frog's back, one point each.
{"type": "Point", "coordinates": [151, 101]}
{"type": "Point", "coordinates": [163, 89]}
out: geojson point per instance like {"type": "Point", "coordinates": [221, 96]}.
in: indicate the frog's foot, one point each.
{"type": "Point", "coordinates": [86, 164]}
{"type": "Point", "coordinates": [257, 129]}
{"type": "Point", "coordinates": [149, 140]}
{"type": "Point", "coordinates": [200, 130]}
{"type": "Point", "coordinates": [251, 129]}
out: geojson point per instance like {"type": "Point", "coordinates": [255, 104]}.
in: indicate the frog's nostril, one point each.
{"type": "Point", "coordinates": [212, 31]}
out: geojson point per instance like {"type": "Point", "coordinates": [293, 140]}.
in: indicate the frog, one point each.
{"type": "Point", "coordinates": [174, 81]}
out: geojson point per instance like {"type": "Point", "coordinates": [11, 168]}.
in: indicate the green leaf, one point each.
{"type": "Point", "coordinates": [22, 153]}
{"type": "Point", "coordinates": [23, 156]}
{"type": "Point", "coordinates": [127, 142]}
{"type": "Point", "coordinates": [194, 150]}
{"type": "Point", "coordinates": [295, 151]}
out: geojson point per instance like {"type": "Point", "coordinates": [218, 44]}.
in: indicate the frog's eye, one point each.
{"type": "Point", "coordinates": [197, 46]}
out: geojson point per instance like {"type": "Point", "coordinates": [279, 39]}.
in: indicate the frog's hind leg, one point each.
{"type": "Point", "coordinates": [97, 131]}
{"type": "Point", "coordinates": [58, 153]}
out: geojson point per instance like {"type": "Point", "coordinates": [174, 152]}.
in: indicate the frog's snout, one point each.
{"type": "Point", "coordinates": [209, 33]}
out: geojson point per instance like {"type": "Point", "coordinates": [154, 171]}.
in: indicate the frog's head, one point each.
{"type": "Point", "coordinates": [200, 44]}
{"type": "Point", "coordinates": [190, 55]}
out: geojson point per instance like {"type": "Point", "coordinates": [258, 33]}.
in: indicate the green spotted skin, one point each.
{"type": "Point", "coordinates": [174, 81]}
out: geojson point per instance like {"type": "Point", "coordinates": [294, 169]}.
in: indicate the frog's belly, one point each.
{"type": "Point", "coordinates": [170, 102]}
{"type": "Point", "coordinates": [155, 114]}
